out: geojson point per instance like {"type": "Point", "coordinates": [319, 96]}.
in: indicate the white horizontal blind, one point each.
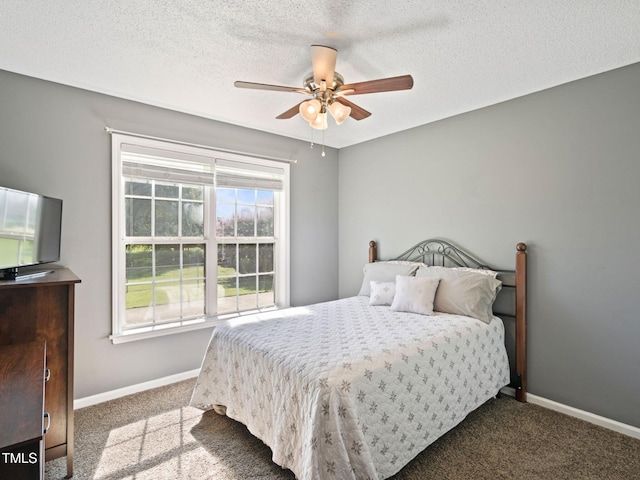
{"type": "Point", "coordinates": [166, 166]}
{"type": "Point", "coordinates": [233, 174]}
{"type": "Point", "coordinates": [165, 174]}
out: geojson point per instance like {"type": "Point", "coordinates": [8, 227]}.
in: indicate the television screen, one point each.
{"type": "Point", "coordinates": [30, 228]}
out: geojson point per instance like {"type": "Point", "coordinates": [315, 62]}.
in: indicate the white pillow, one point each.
{"type": "Point", "coordinates": [406, 262]}
{"type": "Point", "coordinates": [482, 271]}
{"type": "Point", "coordinates": [382, 293]}
{"type": "Point", "coordinates": [384, 272]}
{"type": "Point", "coordinates": [415, 294]}
{"type": "Point", "coordinates": [463, 293]}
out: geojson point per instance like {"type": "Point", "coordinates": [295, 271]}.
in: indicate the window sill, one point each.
{"type": "Point", "coordinates": [144, 333]}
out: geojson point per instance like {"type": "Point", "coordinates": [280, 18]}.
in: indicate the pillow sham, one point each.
{"type": "Point", "coordinates": [482, 271]}
{"type": "Point", "coordinates": [384, 272]}
{"type": "Point", "coordinates": [406, 262]}
{"type": "Point", "coordinates": [415, 294]}
{"type": "Point", "coordinates": [463, 293]}
{"type": "Point", "coordinates": [382, 293]}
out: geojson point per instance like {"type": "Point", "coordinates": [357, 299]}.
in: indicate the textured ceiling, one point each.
{"type": "Point", "coordinates": [185, 54]}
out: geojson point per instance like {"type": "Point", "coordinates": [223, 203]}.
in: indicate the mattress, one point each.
{"type": "Point", "coordinates": [342, 389]}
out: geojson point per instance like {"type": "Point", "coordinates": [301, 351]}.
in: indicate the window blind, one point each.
{"type": "Point", "coordinates": [233, 174]}
{"type": "Point", "coordinates": [177, 167]}
{"type": "Point", "coordinates": [166, 166]}
{"type": "Point", "coordinates": [165, 174]}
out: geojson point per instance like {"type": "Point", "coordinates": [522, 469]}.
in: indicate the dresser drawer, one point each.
{"type": "Point", "coordinates": [22, 390]}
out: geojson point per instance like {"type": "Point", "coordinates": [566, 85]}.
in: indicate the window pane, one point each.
{"type": "Point", "coordinates": [265, 197]}
{"type": "Point", "coordinates": [139, 303]}
{"type": "Point", "coordinates": [193, 261]}
{"type": "Point", "coordinates": [248, 285]}
{"type": "Point", "coordinates": [138, 217]}
{"type": "Point", "coordinates": [247, 258]}
{"type": "Point", "coordinates": [225, 195]}
{"type": "Point", "coordinates": [166, 218]}
{"type": "Point", "coordinates": [142, 189]}
{"type": "Point", "coordinates": [227, 292]}
{"type": "Point", "coordinates": [167, 301]}
{"type": "Point", "coordinates": [246, 221]}
{"type": "Point", "coordinates": [138, 264]}
{"type": "Point", "coordinates": [193, 298]}
{"type": "Point", "coordinates": [265, 256]}
{"type": "Point", "coordinates": [167, 191]}
{"type": "Point", "coordinates": [192, 219]}
{"type": "Point", "coordinates": [225, 220]}
{"type": "Point", "coordinates": [247, 298]}
{"type": "Point", "coordinates": [265, 222]}
{"type": "Point", "coordinates": [193, 193]}
{"type": "Point", "coordinates": [227, 287]}
{"type": "Point", "coordinates": [247, 197]}
{"type": "Point", "coordinates": [167, 262]}
{"type": "Point", "coordinates": [267, 296]}
{"type": "Point", "coordinates": [226, 259]}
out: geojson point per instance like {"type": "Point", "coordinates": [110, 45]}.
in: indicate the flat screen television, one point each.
{"type": "Point", "coordinates": [30, 230]}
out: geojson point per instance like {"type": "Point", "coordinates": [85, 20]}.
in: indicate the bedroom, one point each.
{"type": "Point", "coordinates": [556, 169]}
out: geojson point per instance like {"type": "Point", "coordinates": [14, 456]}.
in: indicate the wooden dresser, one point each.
{"type": "Point", "coordinates": [42, 309]}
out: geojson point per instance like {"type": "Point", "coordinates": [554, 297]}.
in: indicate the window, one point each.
{"type": "Point", "coordinates": [245, 234]}
{"type": "Point", "coordinates": [197, 235]}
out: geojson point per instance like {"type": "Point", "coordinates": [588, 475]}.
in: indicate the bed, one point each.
{"type": "Point", "coordinates": [357, 387]}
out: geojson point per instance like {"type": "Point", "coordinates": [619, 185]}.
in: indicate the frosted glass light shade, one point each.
{"type": "Point", "coordinates": [320, 122]}
{"type": "Point", "coordinates": [339, 112]}
{"type": "Point", "coordinates": [310, 109]}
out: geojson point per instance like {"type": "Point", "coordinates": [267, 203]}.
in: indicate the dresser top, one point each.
{"type": "Point", "coordinates": [50, 276]}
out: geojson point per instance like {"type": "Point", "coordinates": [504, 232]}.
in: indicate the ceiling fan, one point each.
{"type": "Point", "coordinates": [327, 89]}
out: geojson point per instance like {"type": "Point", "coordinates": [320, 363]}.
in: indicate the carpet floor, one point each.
{"type": "Point", "coordinates": [155, 435]}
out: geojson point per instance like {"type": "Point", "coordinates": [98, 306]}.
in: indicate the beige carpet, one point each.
{"type": "Point", "coordinates": [154, 435]}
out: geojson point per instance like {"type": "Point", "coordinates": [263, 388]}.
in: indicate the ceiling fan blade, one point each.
{"type": "Point", "coordinates": [357, 113]}
{"type": "Point", "coordinates": [323, 61]}
{"type": "Point", "coordinates": [403, 82]}
{"type": "Point", "coordinates": [264, 86]}
{"type": "Point", "coordinates": [292, 112]}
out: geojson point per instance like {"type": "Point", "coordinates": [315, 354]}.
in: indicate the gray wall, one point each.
{"type": "Point", "coordinates": [52, 141]}
{"type": "Point", "coordinates": [558, 170]}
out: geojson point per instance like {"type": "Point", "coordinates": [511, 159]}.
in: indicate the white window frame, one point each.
{"type": "Point", "coordinates": [204, 155]}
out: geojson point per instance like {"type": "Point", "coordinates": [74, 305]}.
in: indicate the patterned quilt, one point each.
{"type": "Point", "coordinates": [343, 389]}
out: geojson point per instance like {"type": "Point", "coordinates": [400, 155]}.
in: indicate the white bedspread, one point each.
{"type": "Point", "coordinates": [343, 390]}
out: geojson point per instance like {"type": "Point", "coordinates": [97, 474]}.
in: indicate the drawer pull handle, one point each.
{"type": "Point", "coordinates": [47, 374]}
{"type": "Point", "coordinates": [48, 417]}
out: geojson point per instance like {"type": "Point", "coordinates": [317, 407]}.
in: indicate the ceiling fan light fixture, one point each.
{"type": "Point", "coordinates": [326, 89]}
{"type": "Point", "coordinates": [339, 112]}
{"type": "Point", "coordinates": [310, 109]}
{"type": "Point", "coordinates": [320, 122]}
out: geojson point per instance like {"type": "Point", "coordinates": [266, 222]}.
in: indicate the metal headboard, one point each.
{"type": "Point", "coordinates": [440, 252]}
{"type": "Point", "coordinates": [510, 304]}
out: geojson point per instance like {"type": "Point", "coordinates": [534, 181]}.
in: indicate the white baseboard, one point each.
{"type": "Point", "coordinates": [140, 387]}
{"type": "Point", "coordinates": [581, 414]}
